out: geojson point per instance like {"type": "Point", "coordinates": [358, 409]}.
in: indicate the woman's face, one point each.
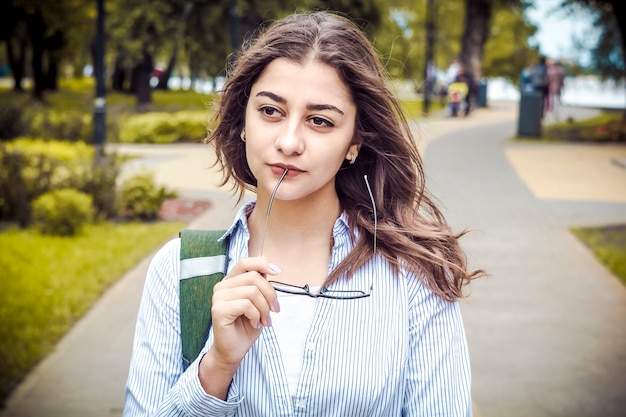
{"type": "Point", "coordinates": [300, 118]}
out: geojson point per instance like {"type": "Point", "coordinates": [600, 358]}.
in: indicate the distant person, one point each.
{"type": "Point", "coordinates": [539, 81]}
{"type": "Point", "coordinates": [556, 81]}
{"type": "Point", "coordinates": [457, 94]}
{"type": "Point", "coordinates": [452, 71]}
{"type": "Point", "coordinates": [466, 77]}
{"type": "Point", "coordinates": [526, 86]}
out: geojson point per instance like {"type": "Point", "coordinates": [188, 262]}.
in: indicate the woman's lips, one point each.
{"type": "Point", "coordinates": [278, 170]}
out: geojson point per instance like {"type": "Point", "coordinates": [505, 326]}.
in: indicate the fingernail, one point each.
{"type": "Point", "coordinates": [269, 321]}
{"type": "Point", "coordinates": [276, 306]}
{"type": "Point", "coordinates": [275, 268]}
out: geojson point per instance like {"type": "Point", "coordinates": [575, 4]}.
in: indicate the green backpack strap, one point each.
{"type": "Point", "coordinates": [202, 265]}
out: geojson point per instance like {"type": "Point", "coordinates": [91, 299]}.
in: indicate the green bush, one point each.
{"type": "Point", "coordinates": [140, 198]}
{"type": "Point", "coordinates": [66, 125]}
{"type": "Point", "coordinates": [102, 185]}
{"type": "Point", "coordinates": [20, 115]}
{"type": "Point", "coordinates": [80, 84]}
{"type": "Point", "coordinates": [62, 212]}
{"type": "Point", "coordinates": [32, 167]}
{"type": "Point", "coordinates": [13, 121]}
{"type": "Point", "coordinates": [67, 113]}
{"type": "Point", "coordinates": [606, 127]}
{"type": "Point", "coordinates": [183, 126]}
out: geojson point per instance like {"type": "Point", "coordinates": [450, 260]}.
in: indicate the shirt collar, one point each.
{"type": "Point", "coordinates": [240, 224]}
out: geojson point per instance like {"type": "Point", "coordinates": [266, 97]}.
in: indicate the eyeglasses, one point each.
{"type": "Point", "coordinates": [324, 292]}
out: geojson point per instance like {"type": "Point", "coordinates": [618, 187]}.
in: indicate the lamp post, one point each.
{"type": "Point", "coordinates": [430, 52]}
{"type": "Point", "coordinates": [234, 26]}
{"type": "Point", "coordinates": [99, 110]}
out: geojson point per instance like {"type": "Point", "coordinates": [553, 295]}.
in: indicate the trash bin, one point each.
{"type": "Point", "coordinates": [530, 112]}
{"type": "Point", "coordinates": [481, 100]}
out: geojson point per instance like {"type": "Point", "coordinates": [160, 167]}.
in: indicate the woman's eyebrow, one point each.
{"type": "Point", "coordinates": [273, 96]}
{"type": "Point", "coordinates": [323, 107]}
{"type": "Point", "coordinates": [283, 100]}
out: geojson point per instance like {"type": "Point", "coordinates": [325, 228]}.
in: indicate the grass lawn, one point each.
{"type": "Point", "coordinates": [606, 127]}
{"type": "Point", "coordinates": [414, 109]}
{"type": "Point", "coordinates": [608, 244]}
{"type": "Point", "coordinates": [49, 282]}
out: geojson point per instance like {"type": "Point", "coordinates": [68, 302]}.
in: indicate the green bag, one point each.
{"type": "Point", "coordinates": [203, 263]}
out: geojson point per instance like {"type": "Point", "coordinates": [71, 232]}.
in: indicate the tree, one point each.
{"type": "Point", "coordinates": [49, 32]}
{"type": "Point", "coordinates": [13, 33]}
{"type": "Point", "coordinates": [477, 30]}
{"type": "Point", "coordinates": [402, 36]}
{"type": "Point", "coordinates": [207, 42]}
{"type": "Point", "coordinates": [506, 52]}
{"type": "Point", "coordinates": [214, 31]}
{"type": "Point", "coordinates": [185, 11]}
{"type": "Point", "coordinates": [609, 53]}
{"type": "Point", "coordinates": [137, 30]}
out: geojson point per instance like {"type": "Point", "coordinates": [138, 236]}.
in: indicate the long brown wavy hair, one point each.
{"type": "Point", "coordinates": [412, 232]}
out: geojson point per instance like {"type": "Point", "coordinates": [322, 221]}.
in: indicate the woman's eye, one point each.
{"type": "Point", "coordinates": [269, 111]}
{"type": "Point", "coordinates": [320, 121]}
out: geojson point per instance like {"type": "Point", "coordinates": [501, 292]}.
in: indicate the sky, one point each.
{"type": "Point", "coordinates": [557, 28]}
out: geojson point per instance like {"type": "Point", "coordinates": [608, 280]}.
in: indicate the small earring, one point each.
{"type": "Point", "coordinates": [352, 158]}
{"type": "Point", "coordinates": [242, 135]}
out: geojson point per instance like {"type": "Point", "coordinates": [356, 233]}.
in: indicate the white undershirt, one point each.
{"type": "Point", "coordinates": [291, 326]}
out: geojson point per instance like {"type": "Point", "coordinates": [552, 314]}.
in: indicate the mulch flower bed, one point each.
{"type": "Point", "coordinates": [181, 209]}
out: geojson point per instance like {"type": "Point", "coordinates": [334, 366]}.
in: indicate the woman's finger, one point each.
{"type": "Point", "coordinates": [254, 292]}
{"type": "Point", "coordinates": [227, 312]}
{"type": "Point", "coordinates": [259, 264]}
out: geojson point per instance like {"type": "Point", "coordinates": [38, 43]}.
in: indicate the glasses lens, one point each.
{"type": "Point", "coordinates": [343, 295]}
{"type": "Point", "coordinates": [290, 289]}
{"type": "Point", "coordinates": [323, 293]}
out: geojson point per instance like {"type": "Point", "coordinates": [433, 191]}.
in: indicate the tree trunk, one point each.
{"type": "Point", "coordinates": [17, 63]}
{"type": "Point", "coordinates": [15, 34]}
{"type": "Point", "coordinates": [165, 76]}
{"type": "Point", "coordinates": [478, 15]}
{"type": "Point", "coordinates": [53, 46]}
{"type": "Point", "coordinates": [52, 78]}
{"type": "Point", "coordinates": [619, 10]}
{"type": "Point", "coordinates": [142, 73]}
{"type": "Point", "coordinates": [119, 76]}
{"type": "Point", "coordinates": [36, 33]}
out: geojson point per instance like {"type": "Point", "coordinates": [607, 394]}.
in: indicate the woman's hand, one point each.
{"type": "Point", "coordinates": [242, 302]}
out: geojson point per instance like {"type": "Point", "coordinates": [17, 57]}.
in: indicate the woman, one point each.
{"type": "Point", "coordinates": [341, 299]}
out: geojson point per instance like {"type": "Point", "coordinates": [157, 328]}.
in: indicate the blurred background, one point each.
{"type": "Point", "coordinates": [177, 44]}
{"type": "Point", "coordinates": [103, 104]}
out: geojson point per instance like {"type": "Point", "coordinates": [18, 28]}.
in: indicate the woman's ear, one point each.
{"type": "Point", "coordinates": [353, 152]}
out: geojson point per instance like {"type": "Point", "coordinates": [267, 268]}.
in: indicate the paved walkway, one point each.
{"type": "Point", "coordinates": [546, 330]}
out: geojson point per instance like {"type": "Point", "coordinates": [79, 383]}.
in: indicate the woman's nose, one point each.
{"type": "Point", "coordinates": [290, 141]}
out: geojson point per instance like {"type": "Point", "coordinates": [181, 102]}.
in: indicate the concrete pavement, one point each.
{"type": "Point", "coordinates": [546, 329]}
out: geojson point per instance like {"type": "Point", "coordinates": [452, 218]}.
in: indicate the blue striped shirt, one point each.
{"type": "Point", "coordinates": [400, 352]}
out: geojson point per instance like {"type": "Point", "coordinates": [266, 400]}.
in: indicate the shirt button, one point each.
{"type": "Point", "coordinates": [300, 403]}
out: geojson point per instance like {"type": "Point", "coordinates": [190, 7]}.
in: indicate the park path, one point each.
{"type": "Point", "coordinates": [546, 329]}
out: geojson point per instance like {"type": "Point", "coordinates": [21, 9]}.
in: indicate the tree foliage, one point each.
{"type": "Point", "coordinates": [501, 48]}
{"type": "Point", "coordinates": [506, 51]}
{"type": "Point", "coordinates": [610, 18]}
{"type": "Point", "coordinates": [50, 32]}
{"type": "Point", "coordinates": [196, 38]}
{"type": "Point", "coordinates": [478, 29]}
